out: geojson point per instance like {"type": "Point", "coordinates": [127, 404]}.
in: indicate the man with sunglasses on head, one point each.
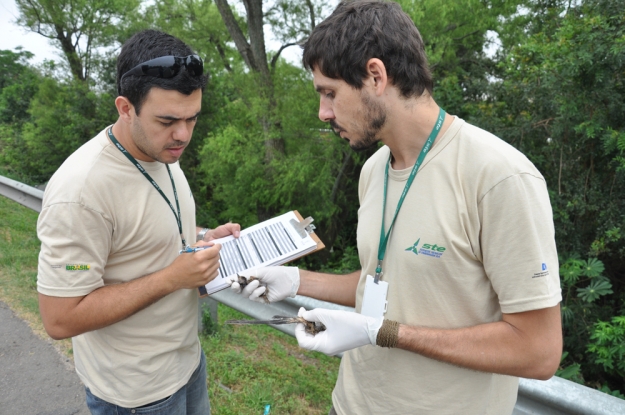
{"type": "Point", "coordinates": [117, 218]}
{"type": "Point", "coordinates": [459, 290]}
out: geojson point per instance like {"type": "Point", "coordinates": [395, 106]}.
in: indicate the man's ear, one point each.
{"type": "Point", "coordinates": [125, 109]}
{"type": "Point", "coordinates": [376, 75]}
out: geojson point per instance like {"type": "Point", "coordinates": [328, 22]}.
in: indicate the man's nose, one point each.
{"type": "Point", "coordinates": [325, 111]}
{"type": "Point", "coordinates": [183, 131]}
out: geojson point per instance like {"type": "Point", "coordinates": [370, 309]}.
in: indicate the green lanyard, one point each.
{"type": "Point", "coordinates": [151, 180]}
{"type": "Point", "coordinates": [384, 237]}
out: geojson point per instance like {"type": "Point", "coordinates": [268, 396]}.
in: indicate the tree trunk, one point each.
{"type": "Point", "coordinates": [69, 50]}
{"type": "Point", "coordinates": [254, 55]}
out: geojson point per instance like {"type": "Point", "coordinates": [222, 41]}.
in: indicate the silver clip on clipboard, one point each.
{"type": "Point", "coordinates": [303, 228]}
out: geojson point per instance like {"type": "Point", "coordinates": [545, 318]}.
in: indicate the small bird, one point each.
{"type": "Point", "coordinates": [243, 281]}
{"type": "Point", "coordinates": [310, 327]}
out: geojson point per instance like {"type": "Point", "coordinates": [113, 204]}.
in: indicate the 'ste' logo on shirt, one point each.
{"type": "Point", "coordinates": [432, 250]}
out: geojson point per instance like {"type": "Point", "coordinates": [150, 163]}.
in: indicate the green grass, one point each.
{"type": "Point", "coordinates": [248, 367]}
{"type": "Point", "coordinates": [261, 365]}
{"type": "Point", "coordinates": [19, 248]}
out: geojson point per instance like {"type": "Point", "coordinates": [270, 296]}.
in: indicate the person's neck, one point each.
{"type": "Point", "coordinates": [122, 133]}
{"type": "Point", "coordinates": [411, 125]}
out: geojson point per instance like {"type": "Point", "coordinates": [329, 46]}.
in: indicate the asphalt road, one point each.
{"type": "Point", "coordinates": [34, 378]}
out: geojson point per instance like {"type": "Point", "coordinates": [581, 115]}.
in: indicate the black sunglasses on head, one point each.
{"type": "Point", "coordinates": [166, 67]}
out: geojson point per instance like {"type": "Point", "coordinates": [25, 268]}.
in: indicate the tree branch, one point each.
{"type": "Point", "coordinates": [277, 55]}
{"type": "Point", "coordinates": [236, 33]}
{"type": "Point", "coordinates": [311, 9]}
{"type": "Point", "coordinates": [254, 9]}
{"type": "Point", "coordinates": [221, 51]}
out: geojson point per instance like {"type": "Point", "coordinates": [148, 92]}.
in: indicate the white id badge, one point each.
{"type": "Point", "coordinates": [374, 300]}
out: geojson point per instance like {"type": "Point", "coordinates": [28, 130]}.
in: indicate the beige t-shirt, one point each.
{"type": "Point", "coordinates": [103, 223]}
{"type": "Point", "coordinates": [474, 238]}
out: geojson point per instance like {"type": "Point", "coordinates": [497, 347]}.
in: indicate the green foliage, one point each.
{"type": "Point", "coordinates": [572, 372]}
{"type": "Point", "coordinates": [197, 22]}
{"type": "Point", "coordinates": [62, 116]}
{"type": "Point", "coordinates": [18, 85]}
{"type": "Point", "coordinates": [554, 89]}
{"type": "Point", "coordinates": [607, 345]}
{"type": "Point", "coordinates": [209, 326]}
{"type": "Point", "coordinates": [561, 100]}
{"type": "Point", "coordinates": [593, 349]}
{"type": "Point", "coordinates": [77, 27]}
{"type": "Point", "coordinates": [253, 366]}
{"type": "Point", "coordinates": [557, 93]}
{"type": "Point", "coordinates": [615, 393]}
{"type": "Point", "coordinates": [455, 42]}
{"type": "Point", "coordinates": [596, 289]}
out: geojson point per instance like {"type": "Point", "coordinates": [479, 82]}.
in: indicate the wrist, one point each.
{"type": "Point", "coordinates": [388, 335]}
{"type": "Point", "coordinates": [295, 280]}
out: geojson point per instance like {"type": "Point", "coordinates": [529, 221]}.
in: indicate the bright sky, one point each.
{"type": "Point", "coordinates": [12, 35]}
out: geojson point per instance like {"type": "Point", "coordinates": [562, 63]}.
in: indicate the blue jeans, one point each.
{"type": "Point", "coordinates": [191, 399]}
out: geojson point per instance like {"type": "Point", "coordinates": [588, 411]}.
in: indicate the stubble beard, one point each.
{"type": "Point", "coordinates": [141, 141]}
{"type": "Point", "coordinates": [143, 144]}
{"type": "Point", "coordinates": [376, 116]}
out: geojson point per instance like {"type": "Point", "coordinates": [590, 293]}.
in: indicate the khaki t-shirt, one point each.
{"type": "Point", "coordinates": [474, 238]}
{"type": "Point", "coordinates": [103, 223]}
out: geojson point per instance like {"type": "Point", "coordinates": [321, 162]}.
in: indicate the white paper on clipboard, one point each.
{"type": "Point", "coordinates": [273, 242]}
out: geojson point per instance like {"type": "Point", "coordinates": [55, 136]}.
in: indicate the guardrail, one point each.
{"type": "Point", "coordinates": [555, 396]}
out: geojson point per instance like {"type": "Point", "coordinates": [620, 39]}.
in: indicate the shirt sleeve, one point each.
{"type": "Point", "coordinates": [75, 243]}
{"type": "Point", "coordinates": [518, 244]}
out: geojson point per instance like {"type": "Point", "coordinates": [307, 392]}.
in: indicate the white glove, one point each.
{"type": "Point", "coordinates": [344, 331]}
{"type": "Point", "coordinates": [278, 282]}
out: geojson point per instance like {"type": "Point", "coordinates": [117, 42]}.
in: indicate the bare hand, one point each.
{"type": "Point", "coordinates": [195, 269]}
{"type": "Point", "coordinates": [226, 229]}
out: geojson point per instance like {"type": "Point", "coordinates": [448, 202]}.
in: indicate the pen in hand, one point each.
{"type": "Point", "coordinates": [189, 249]}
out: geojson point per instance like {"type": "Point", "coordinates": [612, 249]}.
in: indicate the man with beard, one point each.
{"type": "Point", "coordinates": [116, 216]}
{"type": "Point", "coordinates": [459, 290]}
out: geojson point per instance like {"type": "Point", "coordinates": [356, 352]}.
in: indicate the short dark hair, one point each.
{"type": "Point", "coordinates": [146, 45]}
{"type": "Point", "coordinates": [357, 31]}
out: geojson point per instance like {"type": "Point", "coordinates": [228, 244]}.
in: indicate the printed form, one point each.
{"type": "Point", "coordinates": [273, 242]}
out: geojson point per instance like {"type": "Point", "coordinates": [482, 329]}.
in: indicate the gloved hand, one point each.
{"type": "Point", "coordinates": [344, 331]}
{"type": "Point", "coordinates": [277, 282]}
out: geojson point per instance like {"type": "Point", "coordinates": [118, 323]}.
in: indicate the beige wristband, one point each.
{"type": "Point", "coordinates": [388, 334]}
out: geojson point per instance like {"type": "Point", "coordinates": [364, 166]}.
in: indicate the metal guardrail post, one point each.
{"type": "Point", "coordinates": [212, 305]}
{"type": "Point", "coordinates": [555, 396]}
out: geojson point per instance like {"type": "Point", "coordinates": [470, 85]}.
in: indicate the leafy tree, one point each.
{"type": "Point", "coordinates": [554, 89]}
{"type": "Point", "coordinates": [608, 345]}
{"type": "Point", "coordinates": [78, 27]}
{"type": "Point", "coordinates": [18, 84]}
{"type": "Point", "coordinates": [63, 116]}
{"type": "Point", "coordinates": [455, 43]}
{"type": "Point", "coordinates": [559, 96]}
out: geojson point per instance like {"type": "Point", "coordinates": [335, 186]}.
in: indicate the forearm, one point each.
{"type": "Point", "coordinates": [498, 347]}
{"type": "Point", "coordinates": [104, 306]}
{"type": "Point", "coordinates": [339, 289]}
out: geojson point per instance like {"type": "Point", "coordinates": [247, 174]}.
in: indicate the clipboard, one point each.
{"type": "Point", "coordinates": [276, 241]}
